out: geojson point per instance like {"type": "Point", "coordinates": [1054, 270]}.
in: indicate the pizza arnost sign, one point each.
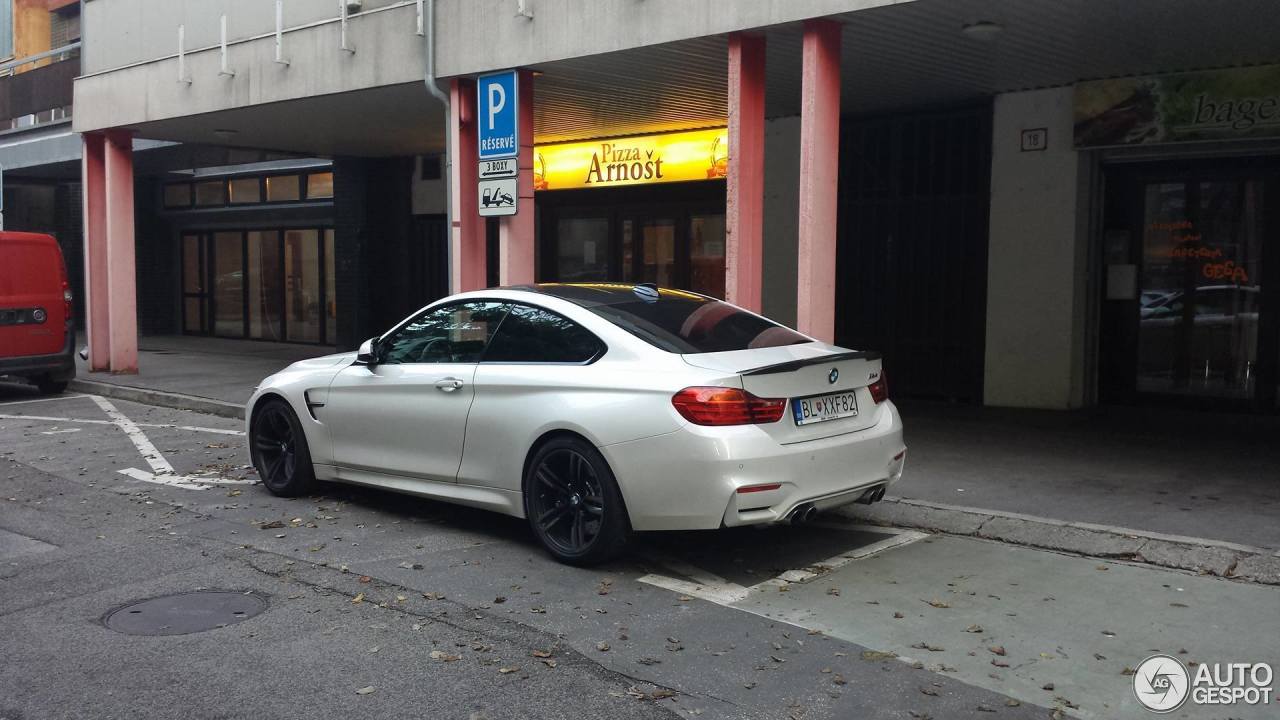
{"type": "Point", "coordinates": [498, 100]}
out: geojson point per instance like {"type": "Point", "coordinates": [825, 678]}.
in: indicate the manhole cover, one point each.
{"type": "Point", "coordinates": [185, 613]}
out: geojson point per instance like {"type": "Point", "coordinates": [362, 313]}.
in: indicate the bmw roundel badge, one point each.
{"type": "Point", "coordinates": [833, 376]}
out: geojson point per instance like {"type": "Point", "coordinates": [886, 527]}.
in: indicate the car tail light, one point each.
{"type": "Point", "coordinates": [726, 406]}
{"type": "Point", "coordinates": [880, 388]}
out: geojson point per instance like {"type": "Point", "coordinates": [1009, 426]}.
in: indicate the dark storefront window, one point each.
{"type": "Point", "coordinates": [275, 285]}
{"type": "Point", "coordinates": [1189, 311]}
{"type": "Point", "coordinates": [248, 190]}
{"type": "Point", "coordinates": [672, 235]}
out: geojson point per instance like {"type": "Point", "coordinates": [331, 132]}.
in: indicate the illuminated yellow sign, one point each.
{"type": "Point", "coordinates": [642, 160]}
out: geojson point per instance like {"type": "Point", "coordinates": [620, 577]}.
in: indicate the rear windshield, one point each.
{"type": "Point", "coordinates": [688, 324]}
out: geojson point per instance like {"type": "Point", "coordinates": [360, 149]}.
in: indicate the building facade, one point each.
{"type": "Point", "coordinates": [1031, 203]}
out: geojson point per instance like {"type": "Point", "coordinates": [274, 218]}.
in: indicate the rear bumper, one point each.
{"type": "Point", "coordinates": [60, 366]}
{"type": "Point", "coordinates": [689, 479]}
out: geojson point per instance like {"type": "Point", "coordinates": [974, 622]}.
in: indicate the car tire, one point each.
{"type": "Point", "coordinates": [279, 450]}
{"type": "Point", "coordinates": [48, 386]}
{"type": "Point", "coordinates": [573, 503]}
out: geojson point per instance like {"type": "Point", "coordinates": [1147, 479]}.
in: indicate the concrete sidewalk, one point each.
{"type": "Point", "coordinates": [1197, 490]}
{"type": "Point", "coordinates": [211, 375]}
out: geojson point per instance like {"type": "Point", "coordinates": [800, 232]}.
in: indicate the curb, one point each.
{"type": "Point", "coordinates": [159, 398]}
{"type": "Point", "coordinates": [1198, 555]}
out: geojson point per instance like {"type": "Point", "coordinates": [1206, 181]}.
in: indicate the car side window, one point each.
{"type": "Point", "coordinates": [451, 334]}
{"type": "Point", "coordinates": [534, 335]}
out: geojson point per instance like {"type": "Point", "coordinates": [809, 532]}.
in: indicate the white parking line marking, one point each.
{"type": "Point", "coordinates": [59, 432]}
{"type": "Point", "coordinates": [187, 482]}
{"type": "Point", "coordinates": [70, 396]}
{"type": "Point", "coordinates": [713, 588]}
{"type": "Point", "coordinates": [48, 418]}
{"type": "Point", "coordinates": [158, 464]}
{"type": "Point", "coordinates": [193, 428]}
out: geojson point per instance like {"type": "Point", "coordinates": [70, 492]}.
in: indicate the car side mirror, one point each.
{"type": "Point", "coordinates": [368, 352]}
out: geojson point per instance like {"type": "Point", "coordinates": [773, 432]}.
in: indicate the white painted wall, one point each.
{"type": "Point", "coordinates": [1036, 283]}
{"type": "Point", "coordinates": [781, 217]}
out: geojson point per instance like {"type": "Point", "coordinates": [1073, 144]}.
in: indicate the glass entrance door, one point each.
{"type": "Point", "coordinates": [1200, 287]}
{"type": "Point", "coordinates": [260, 284]}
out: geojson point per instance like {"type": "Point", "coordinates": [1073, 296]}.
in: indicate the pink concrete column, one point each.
{"type": "Point", "coordinates": [744, 201]}
{"type": "Point", "coordinates": [122, 310]}
{"type": "Point", "coordinates": [819, 174]}
{"type": "Point", "coordinates": [467, 251]}
{"type": "Point", "coordinates": [97, 297]}
{"type": "Point", "coordinates": [516, 232]}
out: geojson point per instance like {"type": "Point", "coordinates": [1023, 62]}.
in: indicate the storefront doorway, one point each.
{"type": "Point", "coordinates": [273, 285]}
{"type": "Point", "coordinates": [672, 235]}
{"type": "Point", "coordinates": [1190, 313]}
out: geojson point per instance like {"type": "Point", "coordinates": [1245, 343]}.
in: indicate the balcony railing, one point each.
{"type": "Point", "coordinates": [37, 89]}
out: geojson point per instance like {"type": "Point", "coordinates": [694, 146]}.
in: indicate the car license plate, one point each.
{"type": "Point", "coordinates": [821, 408]}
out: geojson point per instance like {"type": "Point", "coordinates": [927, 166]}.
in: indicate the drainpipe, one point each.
{"type": "Point", "coordinates": [447, 171]}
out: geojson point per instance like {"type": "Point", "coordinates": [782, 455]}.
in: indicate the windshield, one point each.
{"type": "Point", "coordinates": [685, 323]}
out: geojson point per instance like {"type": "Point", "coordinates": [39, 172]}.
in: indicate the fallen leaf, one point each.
{"type": "Point", "coordinates": [365, 579]}
{"type": "Point", "coordinates": [874, 655]}
{"type": "Point", "coordinates": [839, 680]}
{"type": "Point", "coordinates": [401, 598]}
{"type": "Point", "coordinates": [927, 646]}
{"type": "Point", "coordinates": [929, 691]}
{"type": "Point", "coordinates": [833, 591]}
{"type": "Point", "coordinates": [938, 603]}
{"type": "Point", "coordinates": [271, 525]}
{"type": "Point", "coordinates": [997, 649]}
{"type": "Point", "coordinates": [602, 646]}
{"type": "Point", "coordinates": [366, 690]}
{"type": "Point", "coordinates": [549, 663]}
{"type": "Point", "coordinates": [499, 600]}
{"type": "Point", "coordinates": [410, 566]}
{"type": "Point", "coordinates": [433, 595]}
{"type": "Point", "coordinates": [974, 629]}
{"type": "Point", "coordinates": [648, 661]}
{"type": "Point", "coordinates": [444, 656]}
{"type": "Point", "coordinates": [359, 598]}
{"type": "Point", "coordinates": [898, 616]}
{"type": "Point", "coordinates": [508, 670]}
{"type": "Point", "coordinates": [1012, 703]}
{"type": "Point", "coordinates": [1047, 686]}
{"type": "Point", "coordinates": [999, 663]}
{"type": "Point", "coordinates": [984, 708]}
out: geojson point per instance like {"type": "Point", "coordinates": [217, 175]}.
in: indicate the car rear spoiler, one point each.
{"type": "Point", "coordinates": [790, 365]}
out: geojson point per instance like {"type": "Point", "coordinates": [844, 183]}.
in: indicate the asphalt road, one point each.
{"type": "Point", "coordinates": [381, 605]}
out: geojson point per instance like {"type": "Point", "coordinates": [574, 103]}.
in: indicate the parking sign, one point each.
{"type": "Point", "coordinates": [497, 98]}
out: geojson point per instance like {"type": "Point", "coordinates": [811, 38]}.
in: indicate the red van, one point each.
{"type": "Point", "coordinates": [37, 331]}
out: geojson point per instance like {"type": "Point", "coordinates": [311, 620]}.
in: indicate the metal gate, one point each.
{"type": "Point", "coordinates": [911, 277]}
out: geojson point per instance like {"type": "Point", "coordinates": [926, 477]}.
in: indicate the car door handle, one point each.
{"type": "Point", "coordinates": [448, 384]}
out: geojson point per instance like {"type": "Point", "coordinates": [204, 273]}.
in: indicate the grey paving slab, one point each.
{"type": "Point", "coordinates": [1075, 623]}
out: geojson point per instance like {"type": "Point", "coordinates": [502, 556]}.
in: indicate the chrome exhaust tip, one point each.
{"type": "Point", "coordinates": [875, 494]}
{"type": "Point", "coordinates": [803, 514]}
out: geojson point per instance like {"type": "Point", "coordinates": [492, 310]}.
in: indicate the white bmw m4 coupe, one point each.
{"type": "Point", "coordinates": [592, 410]}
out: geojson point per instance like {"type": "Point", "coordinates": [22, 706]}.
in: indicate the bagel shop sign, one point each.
{"type": "Point", "coordinates": [638, 160]}
{"type": "Point", "coordinates": [1227, 104]}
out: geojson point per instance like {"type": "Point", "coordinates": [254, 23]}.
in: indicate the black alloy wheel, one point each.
{"type": "Point", "coordinates": [573, 503]}
{"type": "Point", "coordinates": [279, 450]}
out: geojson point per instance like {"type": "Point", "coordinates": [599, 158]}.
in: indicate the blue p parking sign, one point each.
{"type": "Point", "coordinates": [497, 95]}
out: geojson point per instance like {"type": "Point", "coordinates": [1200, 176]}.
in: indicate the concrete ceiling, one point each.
{"type": "Point", "coordinates": [911, 55]}
{"type": "Point", "coordinates": [379, 122]}
{"type": "Point", "coordinates": [896, 57]}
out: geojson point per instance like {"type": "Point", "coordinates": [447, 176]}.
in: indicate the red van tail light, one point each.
{"type": "Point", "coordinates": [880, 388]}
{"type": "Point", "coordinates": [66, 293]}
{"type": "Point", "coordinates": [726, 406]}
